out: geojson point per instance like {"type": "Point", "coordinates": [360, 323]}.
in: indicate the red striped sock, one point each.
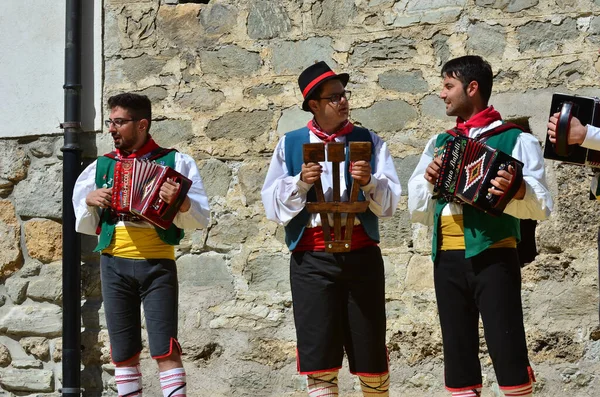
{"type": "Point", "coordinates": [475, 392]}
{"type": "Point", "coordinates": [173, 382]}
{"type": "Point", "coordinates": [129, 381]}
{"type": "Point", "coordinates": [519, 391]}
{"type": "Point", "coordinates": [322, 384]}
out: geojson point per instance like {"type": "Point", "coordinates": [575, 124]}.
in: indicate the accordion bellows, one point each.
{"type": "Point", "coordinates": [136, 191]}
{"type": "Point", "coordinates": [468, 166]}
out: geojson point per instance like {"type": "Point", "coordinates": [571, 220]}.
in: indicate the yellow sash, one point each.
{"type": "Point", "coordinates": [452, 233]}
{"type": "Point", "coordinates": [138, 243]}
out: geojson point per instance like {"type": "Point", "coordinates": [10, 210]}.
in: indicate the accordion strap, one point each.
{"type": "Point", "coordinates": [150, 156]}
{"type": "Point", "coordinates": [494, 131]}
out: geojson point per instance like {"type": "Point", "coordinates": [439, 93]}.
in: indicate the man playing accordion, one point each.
{"type": "Point", "coordinates": [138, 258]}
{"type": "Point", "coordinates": [476, 265]}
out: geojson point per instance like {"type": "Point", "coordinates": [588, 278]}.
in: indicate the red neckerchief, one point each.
{"type": "Point", "coordinates": [481, 119]}
{"type": "Point", "coordinates": [345, 129]}
{"type": "Point", "coordinates": [148, 147]}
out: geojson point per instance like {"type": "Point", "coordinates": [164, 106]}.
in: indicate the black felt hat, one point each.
{"type": "Point", "coordinates": [313, 76]}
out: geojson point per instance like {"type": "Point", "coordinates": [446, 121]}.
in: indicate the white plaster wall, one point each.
{"type": "Point", "coordinates": [32, 42]}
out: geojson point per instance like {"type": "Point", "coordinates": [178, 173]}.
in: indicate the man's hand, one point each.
{"type": "Point", "coordinates": [432, 172]}
{"type": "Point", "coordinates": [502, 182]}
{"type": "Point", "coordinates": [99, 198]}
{"type": "Point", "coordinates": [577, 131]}
{"type": "Point", "coordinates": [168, 193]}
{"type": "Point", "coordinates": [311, 172]}
{"type": "Point", "coordinates": [361, 172]}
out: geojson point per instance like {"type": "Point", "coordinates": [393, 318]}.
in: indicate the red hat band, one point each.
{"type": "Point", "coordinates": [316, 81]}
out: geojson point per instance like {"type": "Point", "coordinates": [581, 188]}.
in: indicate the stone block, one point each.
{"type": "Point", "coordinates": [38, 347]}
{"type": "Point", "coordinates": [292, 57]}
{"type": "Point", "coordinates": [154, 93]}
{"type": "Point", "coordinates": [267, 20]}
{"type": "Point", "coordinates": [567, 73]}
{"type": "Point", "coordinates": [41, 319]}
{"type": "Point", "coordinates": [486, 40]}
{"type": "Point", "coordinates": [419, 275]}
{"type": "Point", "coordinates": [240, 125]}
{"type": "Point", "coordinates": [412, 12]}
{"type": "Point", "coordinates": [292, 119]}
{"type": "Point", "coordinates": [229, 231]}
{"type": "Point", "coordinates": [5, 357]}
{"type": "Point", "coordinates": [180, 27]}
{"type": "Point", "coordinates": [507, 5]}
{"type": "Point", "coordinates": [274, 353]}
{"type": "Point", "coordinates": [384, 51]}
{"type": "Point", "coordinates": [546, 36]}
{"type": "Point", "coordinates": [231, 61]}
{"type": "Point", "coordinates": [40, 195]}
{"type": "Point", "coordinates": [43, 147]}
{"type": "Point", "coordinates": [27, 380]}
{"type": "Point", "coordinates": [17, 289]}
{"type": "Point", "coordinates": [439, 42]}
{"type": "Point", "coordinates": [216, 177]}
{"type": "Point", "coordinates": [205, 270]}
{"type": "Point", "coordinates": [48, 286]}
{"type": "Point", "coordinates": [268, 272]}
{"type": "Point", "coordinates": [251, 176]}
{"type": "Point", "coordinates": [170, 133]}
{"type": "Point", "coordinates": [333, 14]}
{"type": "Point", "coordinates": [218, 19]}
{"type": "Point", "coordinates": [200, 99]}
{"type": "Point", "coordinates": [385, 116]}
{"type": "Point", "coordinates": [27, 363]}
{"type": "Point", "coordinates": [264, 90]}
{"type": "Point", "coordinates": [412, 81]}
{"type": "Point", "coordinates": [43, 238]}
{"type": "Point", "coordinates": [11, 258]}
{"type": "Point", "coordinates": [14, 161]}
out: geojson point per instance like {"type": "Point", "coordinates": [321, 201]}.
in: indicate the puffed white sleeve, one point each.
{"type": "Point", "coordinates": [421, 205]}
{"type": "Point", "coordinates": [383, 190]}
{"type": "Point", "coordinates": [198, 216]}
{"type": "Point", "coordinates": [592, 138]}
{"type": "Point", "coordinates": [283, 195]}
{"type": "Point", "coordinates": [86, 217]}
{"type": "Point", "coordinates": [537, 203]}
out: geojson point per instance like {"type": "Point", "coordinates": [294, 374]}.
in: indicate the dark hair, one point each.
{"type": "Point", "coordinates": [138, 106]}
{"type": "Point", "coordinates": [316, 94]}
{"type": "Point", "coordinates": [471, 68]}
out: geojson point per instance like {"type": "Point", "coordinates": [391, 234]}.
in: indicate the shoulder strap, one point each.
{"type": "Point", "coordinates": [500, 129]}
{"type": "Point", "coordinates": [153, 155]}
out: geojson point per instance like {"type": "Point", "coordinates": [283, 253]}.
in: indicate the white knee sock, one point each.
{"type": "Point", "coordinates": [521, 391]}
{"type": "Point", "coordinates": [173, 382]}
{"type": "Point", "coordinates": [476, 392]}
{"type": "Point", "coordinates": [375, 385]}
{"type": "Point", "coordinates": [129, 381]}
{"type": "Point", "coordinates": [322, 384]}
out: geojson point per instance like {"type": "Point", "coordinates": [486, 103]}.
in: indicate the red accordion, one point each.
{"type": "Point", "coordinates": [136, 190]}
{"type": "Point", "coordinates": [468, 166]}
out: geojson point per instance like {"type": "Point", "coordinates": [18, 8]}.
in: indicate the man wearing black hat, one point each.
{"type": "Point", "coordinates": [338, 299]}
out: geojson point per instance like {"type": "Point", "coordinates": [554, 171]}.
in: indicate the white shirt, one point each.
{"type": "Point", "coordinates": [592, 138]}
{"type": "Point", "coordinates": [536, 204]}
{"type": "Point", "coordinates": [197, 217]}
{"type": "Point", "coordinates": [284, 196]}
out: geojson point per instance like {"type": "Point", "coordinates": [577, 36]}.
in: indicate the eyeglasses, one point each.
{"type": "Point", "coordinates": [336, 98]}
{"type": "Point", "coordinates": [117, 122]}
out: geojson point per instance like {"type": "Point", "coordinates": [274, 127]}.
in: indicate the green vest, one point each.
{"type": "Point", "coordinates": [481, 230]}
{"type": "Point", "coordinates": [105, 169]}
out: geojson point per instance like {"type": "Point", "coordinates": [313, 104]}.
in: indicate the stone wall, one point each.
{"type": "Point", "coordinates": [222, 78]}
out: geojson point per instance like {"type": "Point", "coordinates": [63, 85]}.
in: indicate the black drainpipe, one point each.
{"type": "Point", "coordinates": [71, 246]}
